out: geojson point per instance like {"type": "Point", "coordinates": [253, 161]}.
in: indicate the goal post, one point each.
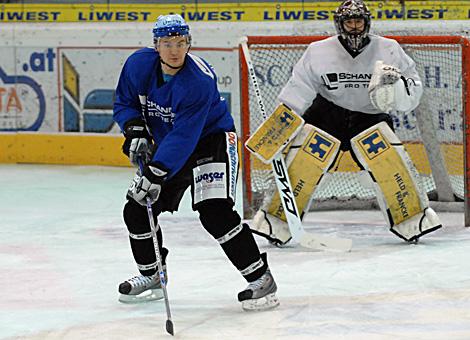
{"type": "Point", "coordinates": [435, 134]}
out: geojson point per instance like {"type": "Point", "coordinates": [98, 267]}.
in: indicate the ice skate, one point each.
{"type": "Point", "coordinates": [260, 294]}
{"type": "Point", "coordinates": [141, 289]}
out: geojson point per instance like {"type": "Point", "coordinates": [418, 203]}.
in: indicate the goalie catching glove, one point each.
{"type": "Point", "coordinates": [138, 143]}
{"type": "Point", "coordinates": [148, 184]}
{"type": "Point", "coordinates": [389, 90]}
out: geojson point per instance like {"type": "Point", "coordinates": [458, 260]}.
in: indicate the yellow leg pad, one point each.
{"type": "Point", "coordinates": [310, 155]}
{"type": "Point", "coordinates": [380, 151]}
{"type": "Point", "coordinates": [275, 132]}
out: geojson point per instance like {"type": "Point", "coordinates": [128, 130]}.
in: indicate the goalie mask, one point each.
{"type": "Point", "coordinates": [355, 38]}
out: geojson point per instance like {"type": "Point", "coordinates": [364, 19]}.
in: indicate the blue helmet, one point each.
{"type": "Point", "coordinates": [171, 25]}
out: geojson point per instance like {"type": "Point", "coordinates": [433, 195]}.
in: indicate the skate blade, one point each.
{"type": "Point", "coordinates": [267, 302]}
{"type": "Point", "coordinates": [148, 295]}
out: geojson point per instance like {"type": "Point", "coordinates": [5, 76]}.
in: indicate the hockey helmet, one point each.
{"type": "Point", "coordinates": [171, 25]}
{"type": "Point", "coordinates": [353, 9]}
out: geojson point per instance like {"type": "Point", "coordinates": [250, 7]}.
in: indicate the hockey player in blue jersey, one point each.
{"type": "Point", "coordinates": [185, 134]}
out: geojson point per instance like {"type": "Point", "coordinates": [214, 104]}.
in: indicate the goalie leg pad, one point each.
{"type": "Point", "coordinates": [312, 153]}
{"type": "Point", "coordinates": [415, 227]}
{"type": "Point", "coordinates": [309, 158]}
{"type": "Point", "coordinates": [274, 133]}
{"type": "Point", "coordinates": [397, 182]}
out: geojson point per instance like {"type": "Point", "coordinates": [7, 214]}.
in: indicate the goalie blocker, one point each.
{"type": "Point", "coordinates": [389, 168]}
{"type": "Point", "coordinates": [274, 133]}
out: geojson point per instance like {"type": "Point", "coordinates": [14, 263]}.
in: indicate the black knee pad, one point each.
{"type": "Point", "coordinates": [137, 220]}
{"type": "Point", "coordinates": [218, 217]}
{"type": "Point", "coordinates": [136, 217]}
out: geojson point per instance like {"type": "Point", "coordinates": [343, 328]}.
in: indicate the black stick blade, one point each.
{"type": "Point", "coordinates": [169, 327]}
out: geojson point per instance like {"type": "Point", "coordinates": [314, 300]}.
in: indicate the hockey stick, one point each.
{"type": "Point", "coordinates": [299, 235]}
{"type": "Point", "coordinates": [169, 322]}
{"type": "Point", "coordinates": [161, 273]}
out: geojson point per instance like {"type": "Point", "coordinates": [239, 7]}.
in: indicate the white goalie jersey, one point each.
{"type": "Point", "coordinates": [327, 68]}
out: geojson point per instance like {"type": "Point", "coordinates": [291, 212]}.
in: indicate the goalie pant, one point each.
{"type": "Point", "coordinates": [214, 159]}
{"type": "Point", "coordinates": [346, 124]}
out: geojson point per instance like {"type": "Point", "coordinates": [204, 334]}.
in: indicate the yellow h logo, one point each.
{"type": "Point", "coordinates": [374, 144]}
{"type": "Point", "coordinates": [318, 146]}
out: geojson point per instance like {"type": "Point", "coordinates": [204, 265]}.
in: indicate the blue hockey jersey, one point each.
{"type": "Point", "coordinates": [179, 112]}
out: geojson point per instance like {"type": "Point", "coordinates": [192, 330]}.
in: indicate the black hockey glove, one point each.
{"type": "Point", "coordinates": [147, 185]}
{"type": "Point", "coordinates": [138, 142]}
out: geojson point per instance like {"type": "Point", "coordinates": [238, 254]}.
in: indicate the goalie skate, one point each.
{"type": "Point", "coordinates": [141, 289]}
{"type": "Point", "coordinates": [260, 294]}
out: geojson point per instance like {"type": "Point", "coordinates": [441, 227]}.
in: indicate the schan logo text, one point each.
{"type": "Point", "coordinates": [352, 80]}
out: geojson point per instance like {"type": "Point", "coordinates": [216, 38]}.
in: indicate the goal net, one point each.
{"type": "Point", "coordinates": [433, 134]}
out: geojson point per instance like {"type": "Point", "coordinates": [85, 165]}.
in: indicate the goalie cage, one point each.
{"type": "Point", "coordinates": [439, 146]}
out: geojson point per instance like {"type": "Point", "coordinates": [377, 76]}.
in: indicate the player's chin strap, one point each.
{"type": "Point", "coordinates": [172, 67]}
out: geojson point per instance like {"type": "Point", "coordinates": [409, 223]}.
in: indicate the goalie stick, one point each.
{"type": "Point", "coordinates": [299, 235]}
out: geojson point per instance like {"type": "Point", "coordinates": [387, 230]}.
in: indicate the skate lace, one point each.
{"type": "Point", "coordinates": [258, 283]}
{"type": "Point", "coordinates": [140, 280]}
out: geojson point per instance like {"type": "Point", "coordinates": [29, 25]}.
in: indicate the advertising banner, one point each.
{"type": "Point", "coordinates": [231, 12]}
{"type": "Point", "coordinates": [71, 89]}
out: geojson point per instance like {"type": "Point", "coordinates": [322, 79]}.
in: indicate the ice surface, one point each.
{"type": "Point", "coordinates": [64, 250]}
